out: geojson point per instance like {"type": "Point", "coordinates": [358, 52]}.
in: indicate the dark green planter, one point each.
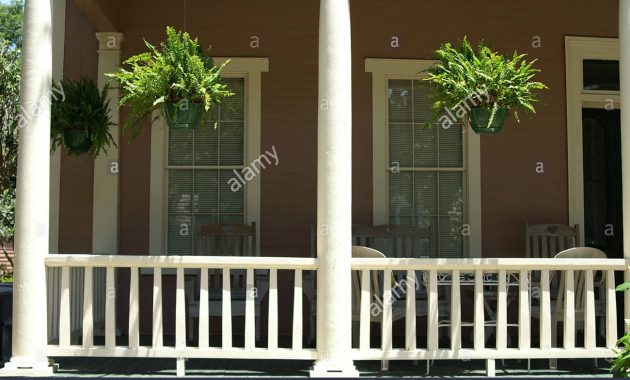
{"type": "Point", "coordinates": [480, 116]}
{"type": "Point", "coordinates": [76, 141]}
{"type": "Point", "coordinates": [187, 116]}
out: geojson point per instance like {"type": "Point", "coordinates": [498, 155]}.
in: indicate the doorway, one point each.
{"type": "Point", "coordinates": [601, 144]}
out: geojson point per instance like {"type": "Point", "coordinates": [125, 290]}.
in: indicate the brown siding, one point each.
{"type": "Point", "coordinates": [77, 180]}
{"type": "Point", "coordinates": [512, 192]}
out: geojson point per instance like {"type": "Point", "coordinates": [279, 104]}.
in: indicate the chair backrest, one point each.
{"type": "Point", "coordinates": [546, 240]}
{"type": "Point", "coordinates": [226, 239]}
{"type": "Point", "coordinates": [395, 240]}
{"type": "Point", "coordinates": [579, 284]}
{"type": "Point", "coordinates": [375, 282]}
{"type": "Point", "coordinates": [223, 239]}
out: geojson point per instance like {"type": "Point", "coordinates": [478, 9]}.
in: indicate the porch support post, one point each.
{"type": "Point", "coordinates": [106, 165]}
{"type": "Point", "coordinates": [624, 86]}
{"type": "Point", "coordinates": [32, 209]}
{"type": "Point", "coordinates": [334, 193]}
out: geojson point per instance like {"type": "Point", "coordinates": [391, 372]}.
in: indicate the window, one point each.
{"type": "Point", "coordinates": [190, 170]}
{"type": "Point", "coordinates": [426, 178]}
{"type": "Point", "coordinates": [423, 177]}
{"type": "Point", "coordinates": [601, 75]}
{"type": "Point", "coordinates": [199, 164]}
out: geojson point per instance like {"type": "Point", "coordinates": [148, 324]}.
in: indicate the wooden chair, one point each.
{"type": "Point", "coordinates": [546, 240]}
{"type": "Point", "coordinates": [395, 240]}
{"type": "Point", "coordinates": [225, 240]}
{"type": "Point", "coordinates": [579, 283]}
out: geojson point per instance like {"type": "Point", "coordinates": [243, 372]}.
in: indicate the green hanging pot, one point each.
{"type": "Point", "coordinates": [183, 115]}
{"type": "Point", "coordinates": [480, 116]}
{"type": "Point", "coordinates": [76, 141]}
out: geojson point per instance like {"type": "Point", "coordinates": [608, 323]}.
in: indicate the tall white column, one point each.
{"type": "Point", "coordinates": [624, 86]}
{"type": "Point", "coordinates": [106, 166]}
{"type": "Point", "coordinates": [31, 233]}
{"type": "Point", "coordinates": [334, 193]}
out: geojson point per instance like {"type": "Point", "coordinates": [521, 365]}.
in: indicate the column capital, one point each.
{"type": "Point", "coordinates": [109, 41]}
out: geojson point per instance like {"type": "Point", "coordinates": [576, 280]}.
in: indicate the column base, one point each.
{"type": "Point", "coordinates": [332, 368]}
{"type": "Point", "coordinates": [20, 367]}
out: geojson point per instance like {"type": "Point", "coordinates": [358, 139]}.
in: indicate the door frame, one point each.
{"type": "Point", "coordinates": [578, 49]}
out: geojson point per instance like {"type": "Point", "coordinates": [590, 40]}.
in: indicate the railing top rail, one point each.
{"type": "Point", "coordinates": [489, 264]}
{"type": "Point", "coordinates": [222, 262]}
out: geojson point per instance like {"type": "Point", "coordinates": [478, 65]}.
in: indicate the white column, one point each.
{"type": "Point", "coordinates": [334, 193]}
{"type": "Point", "coordinates": [624, 85]}
{"type": "Point", "coordinates": [31, 236]}
{"type": "Point", "coordinates": [106, 166]}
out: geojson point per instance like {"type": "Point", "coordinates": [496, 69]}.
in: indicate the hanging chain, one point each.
{"type": "Point", "coordinates": [185, 14]}
{"type": "Point", "coordinates": [83, 18]}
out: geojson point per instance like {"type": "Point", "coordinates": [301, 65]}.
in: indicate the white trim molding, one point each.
{"type": "Point", "coordinates": [578, 49]}
{"type": "Point", "coordinates": [382, 70]}
{"type": "Point", "coordinates": [251, 69]}
{"type": "Point", "coordinates": [106, 165]}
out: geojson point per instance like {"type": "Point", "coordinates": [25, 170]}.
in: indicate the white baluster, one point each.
{"type": "Point", "coordinates": [524, 339]}
{"type": "Point", "coordinates": [297, 311]}
{"type": "Point", "coordinates": [88, 305]}
{"type": "Point", "coordinates": [410, 316]}
{"type": "Point", "coordinates": [180, 310]}
{"type": "Point", "coordinates": [64, 308]}
{"type": "Point", "coordinates": [158, 336]}
{"type": "Point", "coordinates": [611, 310]}
{"type": "Point", "coordinates": [134, 310]}
{"type": "Point", "coordinates": [273, 309]}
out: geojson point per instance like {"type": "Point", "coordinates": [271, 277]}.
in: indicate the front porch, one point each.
{"type": "Point", "coordinates": [138, 306]}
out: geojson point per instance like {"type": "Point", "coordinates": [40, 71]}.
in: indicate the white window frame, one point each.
{"type": "Point", "coordinates": [382, 71]}
{"type": "Point", "coordinates": [251, 69]}
{"type": "Point", "coordinates": [578, 49]}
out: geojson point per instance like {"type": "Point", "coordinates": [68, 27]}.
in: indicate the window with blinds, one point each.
{"type": "Point", "coordinates": [426, 179]}
{"type": "Point", "coordinates": [200, 163]}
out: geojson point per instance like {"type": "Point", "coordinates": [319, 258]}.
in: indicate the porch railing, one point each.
{"type": "Point", "coordinates": [530, 282]}
{"type": "Point", "coordinates": [509, 298]}
{"type": "Point", "coordinates": [85, 345]}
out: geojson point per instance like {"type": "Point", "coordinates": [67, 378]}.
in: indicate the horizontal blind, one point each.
{"type": "Point", "coordinates": [201, 163]}
{"type": "Point", "coordinates": [426, 178]}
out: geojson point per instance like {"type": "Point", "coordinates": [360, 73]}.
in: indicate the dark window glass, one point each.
{"type": "Point", "coordinates": [601, 75]}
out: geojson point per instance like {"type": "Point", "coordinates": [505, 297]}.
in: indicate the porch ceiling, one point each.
{"type": "Point", "coordinates": [103, 14]}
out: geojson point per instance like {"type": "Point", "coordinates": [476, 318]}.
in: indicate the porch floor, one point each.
{"type": "Point", "coordinates": [115, 367]}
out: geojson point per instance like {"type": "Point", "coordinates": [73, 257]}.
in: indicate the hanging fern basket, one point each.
{"type": "Point", "coordinates": [480, 116]}
{"type": "Point", "coordinates": [76, 141]}
{"type": "Point", "coordinates": [183, 116]}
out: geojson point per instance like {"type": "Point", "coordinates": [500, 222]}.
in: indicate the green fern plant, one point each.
{"type": "Point", "coordinates": [177, 71]}
{"type": "Point", "coordinates": [620, 364]}
{"type": "Point", "coordinates": [483, 78]}
{"type": "Point", "coordinates": [82, 107]}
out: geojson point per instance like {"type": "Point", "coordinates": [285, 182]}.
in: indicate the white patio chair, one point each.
{"type": "Point", "coordinates": [557, 308]}
{"type": "Point", "coordinates": [375, 294]}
